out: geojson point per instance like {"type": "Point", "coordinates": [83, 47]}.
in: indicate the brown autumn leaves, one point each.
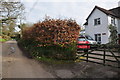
{"type": "Point", "coordinates": [53, 31]}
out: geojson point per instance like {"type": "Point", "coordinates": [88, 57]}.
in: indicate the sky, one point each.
{"type": "Point", "coordinates": [75, 9]}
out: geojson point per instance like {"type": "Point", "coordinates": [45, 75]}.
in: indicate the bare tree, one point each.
{"type": "Point", "coordinates": [10, 14]}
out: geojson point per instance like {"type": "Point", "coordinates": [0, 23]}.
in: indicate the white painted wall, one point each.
{"type": "Point", "coordinates": [109, 21]}
{"type": "Point", "coordinates": [117, 22]}
{"type": "Point", "coordinates": [119, 26]}
{"type": "Point", "coordinates": [92, 29]}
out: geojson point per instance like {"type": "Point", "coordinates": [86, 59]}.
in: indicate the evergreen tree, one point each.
{"type": "Point", "coordinates": [113, 34]}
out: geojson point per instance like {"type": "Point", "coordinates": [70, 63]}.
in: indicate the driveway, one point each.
{"type": "Point", "coordinates": [16, 65]}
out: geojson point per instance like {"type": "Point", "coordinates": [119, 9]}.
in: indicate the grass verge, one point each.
{"type": "Point", "coordinates": [53, 61]}
{"type": "Point", "coordinates": [2, 40]}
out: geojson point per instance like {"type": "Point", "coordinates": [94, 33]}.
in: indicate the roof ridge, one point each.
{"type": "Point", "coordinates": [108, 12]}
{"type": "Point", "coordinates": [114, 8]}
{"type": "Point", "coordinates": [105, 10]}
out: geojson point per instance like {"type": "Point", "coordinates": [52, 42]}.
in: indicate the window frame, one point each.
{"type": "Point", "coordinates": [113, 20]}
{"type": "Point", "coordinates": [97, 21]}
{"type": "Point", "coordinates": [98, 38]}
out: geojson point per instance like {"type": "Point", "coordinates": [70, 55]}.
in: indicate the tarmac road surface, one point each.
{"type": "Point", "coordinates": [16, 65]}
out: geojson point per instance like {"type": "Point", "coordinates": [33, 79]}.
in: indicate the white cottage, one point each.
{"type": "Point", "coordinates": [98, 21]}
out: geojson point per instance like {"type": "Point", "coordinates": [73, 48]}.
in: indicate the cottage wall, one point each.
{"type": "Point", "coordinates": [102, 29]}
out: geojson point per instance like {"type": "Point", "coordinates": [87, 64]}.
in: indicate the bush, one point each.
{"type": "Point", "coordinates": [5, 37]}
{"type": "Point", "coordinates": [52, 38]}
{"type": "Point", "coordinates": [52, 31]}
{"type": "Point", "coordinates": [52, 51]}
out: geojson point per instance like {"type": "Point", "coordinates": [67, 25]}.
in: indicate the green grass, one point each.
{"type": "Point", "coordinates": [53, 61]}
{"type": "Point", "coordinates": [2, 40]}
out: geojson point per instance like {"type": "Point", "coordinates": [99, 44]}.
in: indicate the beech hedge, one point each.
{"type": "Point", "coordinates": [54, 38]}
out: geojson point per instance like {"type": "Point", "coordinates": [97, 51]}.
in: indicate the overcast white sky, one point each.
{"type": "Point", "coordinates": [75, 9]}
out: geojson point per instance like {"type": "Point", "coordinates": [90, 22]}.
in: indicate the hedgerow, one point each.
{"type": "Point", "coordinates": [53, 38]}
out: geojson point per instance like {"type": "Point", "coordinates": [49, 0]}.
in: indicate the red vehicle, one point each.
{"type": "Point", "coordinates": [83, 41]}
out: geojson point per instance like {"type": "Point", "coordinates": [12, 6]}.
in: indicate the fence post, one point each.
{"type": "Point", "coordinates": [104, 55]}
{"type": "Point", "coordinates": [87, 55]}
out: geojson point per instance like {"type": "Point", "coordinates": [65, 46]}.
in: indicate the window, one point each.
{"type": "Point", "coordinates": [98, 38]}
{"type": "Point", "coordinates": [113, 20]}
{"type": "Point", "coordinates": [88, 37]}
{"type": "Point", "coordinates": [97, 21]}
{"type": "Point", "coordinates": [81, 39]}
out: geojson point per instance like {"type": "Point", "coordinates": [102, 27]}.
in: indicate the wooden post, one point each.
{"type": "Point", "coordinates": [87, 55]}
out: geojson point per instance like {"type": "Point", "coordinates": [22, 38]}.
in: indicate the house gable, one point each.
{"type": "Point", "coordinates": [95, 15]}
{"type": "Point", "coordinates": [107, 12]}
{"type": "Point", "coordinates": [102, 28]}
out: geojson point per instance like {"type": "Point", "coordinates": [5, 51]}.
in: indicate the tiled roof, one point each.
{"type": "Point", "coordinates": [116, 11]}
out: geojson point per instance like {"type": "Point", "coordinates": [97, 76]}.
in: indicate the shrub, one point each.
{"type": "Point", "coordinates": [113, 34]}
{"type": "Point", "coordinates": [5, 37]}
{"type": "Point", "coordinates": [52, 38]}
{"type": "Point", "coordinates": [52, 31]}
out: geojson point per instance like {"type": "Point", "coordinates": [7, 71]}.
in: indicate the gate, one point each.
{"type": "Point", "coordinates": [101, 54]}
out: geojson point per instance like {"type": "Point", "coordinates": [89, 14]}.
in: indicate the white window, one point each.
{"type": "Point", "coordinates": [97, 21]}
{"type": "Point", "coordinates": [113, 20]}
{"type": "Point", "coordinates": [98, 38]}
